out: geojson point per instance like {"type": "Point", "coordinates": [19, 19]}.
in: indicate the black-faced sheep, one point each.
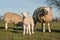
{"type": "Point", "coordinates": [44, 15]}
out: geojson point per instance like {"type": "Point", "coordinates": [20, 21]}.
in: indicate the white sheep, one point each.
{"type": "Point", "coordinates": [28, 24]}
{"type": "Point", "coordinates": [11, 17]}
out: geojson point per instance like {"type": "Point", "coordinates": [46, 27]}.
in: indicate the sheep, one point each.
{"type": "Point", "coordinates": [28, 24]}
{"type": "Point", "coordinates": [44, 15]}
{"type": "Point", "coordinates": [11, 17]}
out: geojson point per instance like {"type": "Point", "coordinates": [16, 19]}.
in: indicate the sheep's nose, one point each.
{"type": "Point", "coordinates": [46, 12]}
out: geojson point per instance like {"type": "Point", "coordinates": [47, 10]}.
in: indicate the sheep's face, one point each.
{"type": "Point", "coordinates": [25, 14]}
{"type": "Point", "coordinates": [48, 9]}
{"type": "Point", "coordinates": [45, 11]}
{"type": "Point", "coordinates": [42, 12]}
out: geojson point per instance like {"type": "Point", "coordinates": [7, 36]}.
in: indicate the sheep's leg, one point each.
{"type": "Point", "coordinates": [24, 30]}
{"type": "Point", "coordinates": [49, 27]}
{"type": "Point", "coordinates": [43, 27]}
{"type": "Point", "coordinates": [15, 25]}
{"type": "Point", "coordinates": [35, 26]}
{"type": "Point", "coordinates": [32, 29]}
{"type": "Point", "coordinates": [6, 25]}
{"type": "Point", "coordinates": [29, 30]}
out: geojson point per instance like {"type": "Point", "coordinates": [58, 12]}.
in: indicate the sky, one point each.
{"type": "Point", "coordinates": [19, 6]}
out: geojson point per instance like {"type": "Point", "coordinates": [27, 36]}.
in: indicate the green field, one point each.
{"type": "Point", "coordinates": [13, 34]}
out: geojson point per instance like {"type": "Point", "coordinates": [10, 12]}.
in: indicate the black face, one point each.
{"type": "Point", "coordinates": [45, 12]}
{"type": "Point", "coordinates": [42, 12]}
{"type": "Point", "coordinates": [19, 24]}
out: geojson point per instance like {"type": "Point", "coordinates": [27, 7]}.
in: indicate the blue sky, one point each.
{"type": "Point", "coordinates": [19, 6]}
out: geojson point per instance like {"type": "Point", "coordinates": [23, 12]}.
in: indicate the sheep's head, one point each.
{"type": "Point", "coordinates": [25, 14]}
{"type": "Point", "coordinates": [44, 11]}
{"type": "Point", "coordinates": [48, 9]}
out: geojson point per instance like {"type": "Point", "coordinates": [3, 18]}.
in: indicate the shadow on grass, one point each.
{"type": "Point", "coordinates": [2, 27]}
{"type": "Point", "coordinates": [39, 30]}
{"type": "Point", "coordinates": [16, 30]}
{"type": "Point", "coordinates": [57, 31]}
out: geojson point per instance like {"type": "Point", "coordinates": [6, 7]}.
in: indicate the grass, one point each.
{"type": "Point", "coordinates": [12, 34]}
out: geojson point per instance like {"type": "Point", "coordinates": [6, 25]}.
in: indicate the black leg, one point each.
{"type": "Point", "coordinates": [42, 26]}
{"type": "Point", "coordinates": [35, 26]}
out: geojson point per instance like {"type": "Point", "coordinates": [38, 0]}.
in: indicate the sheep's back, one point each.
{"type": "Point", "coordinates": [12, 17]}
{"type": "Point", "coordinates": [28, 21]}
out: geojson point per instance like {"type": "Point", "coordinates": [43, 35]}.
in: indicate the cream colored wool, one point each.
{"type": "Point", "coordinates": [10, 17]}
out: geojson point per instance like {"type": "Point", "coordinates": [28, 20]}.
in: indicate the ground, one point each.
{"type": "Point", "coordinates": [17, 34]}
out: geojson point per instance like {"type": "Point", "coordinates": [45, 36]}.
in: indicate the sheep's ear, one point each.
{"type": "Point", "coordinates": [27, 12]}
{"type": "Point", "coordinates": [50, 7]}
{"type": "Point", "coordinates": [21, 14]}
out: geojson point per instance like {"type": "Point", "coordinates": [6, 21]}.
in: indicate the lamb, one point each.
{"type": "Point", "coordinates": [44, 15]}
{"type": "Point", "coordinates": [28, 23]}
{"type": "Point", "coordinates": [11, 17]}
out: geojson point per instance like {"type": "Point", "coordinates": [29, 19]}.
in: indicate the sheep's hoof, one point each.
{"type": "Point", "coordinates": [23, 33]}
{"type": "Point", "coordinates": [32, 32]}
{"type": "Point", "coordinates": [5, 28]}
{"type": "Point", "coordinates": [49, 31]}
{"type": "Point", "coordinates": [29, 33]}
{"type": "Point", "coordinates": [43, 31]}
{"type": "Point", "coordinates": [26, 32]}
